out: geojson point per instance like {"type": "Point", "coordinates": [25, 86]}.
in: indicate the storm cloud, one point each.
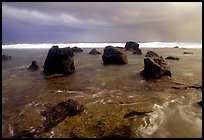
{"type": "Point", "coordinates": [32, 22]}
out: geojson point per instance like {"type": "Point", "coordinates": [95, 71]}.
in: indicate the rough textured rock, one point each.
{"type": "Point", "coordinates": [94, 51]}
{"type": "Point", "coordinates": [155, 68]}
{"type": "Point", "coordinates": [108, 126]}
{"type": "Point", "coordinates": [6, 57]}
{"type": "Point", "coordinates": [33, 66]}
{"type": "Point", "coordinates": [176, 47]}
{"type": "Point", "coordinates": [58, 61]}
{"type": "Point", "coordinates": [67, 50]}
{"type": "Point", "coordinates": [172, 58]}
{"type": "Point", "coordinates": [76, 49]}
{"type": "Point", "coordinates": [131, 45]}
{"type": "Point", "coordinates": [151, 54]}
{"type": "Point", "coordinates": [112, 55]}
{"type": "Point", "coordinates": [53, 116]}
{"type": "Point", "coordinates": [187, 53]}
{"type": "Point", "coordinates": [138, 52]}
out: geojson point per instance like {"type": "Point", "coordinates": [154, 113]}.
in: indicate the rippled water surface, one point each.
{"type": "Point", "coordinates": [105, 90]}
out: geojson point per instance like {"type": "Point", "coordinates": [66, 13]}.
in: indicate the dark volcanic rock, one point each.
{"type": "Point", "coordinates": [172, 58]}
{"type": "Point", "coordinates": [176, 47]}
{"type": "Point", "coordinates": [187, 53]}
{"type": "Point", "coordinates": [112, 55]}
{"type": "Point", "coordinates": [151, 54]}
{"type": "Point", "coordinates": [67, 50]}
{"type": "Point", "coordinates": [58, 61]}
{"type": "Point", "coordinates": [76, 49]}
{"type": "Point", "coordinates": [200, 103]}
{"type": "Point", "coordinates": [33, 66]}
{"type": "Point", "coordinates": [131, 45]}
{"type": "Point", "coordinates": [94, 51]}
{"type": "Point", "coordinates": [59, 112]}
{"type": "Point", "coordinates": [6, 57]}
{"type": "Point", "coordinates": [53, 116]}
{"type": "Point", "coordinates": [155, 68]}
{"type": "Point", "coordinates": [138, 51]}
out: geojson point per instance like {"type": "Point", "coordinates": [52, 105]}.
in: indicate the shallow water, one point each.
{"type": "Point", "coordinates": [105, 89]}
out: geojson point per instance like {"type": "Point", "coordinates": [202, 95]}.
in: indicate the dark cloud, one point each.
{"type": "Point", "coordinates": [101, 22]}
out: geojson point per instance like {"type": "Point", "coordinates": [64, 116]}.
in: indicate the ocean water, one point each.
{"type": "Point", "coordinates": [105, 90]}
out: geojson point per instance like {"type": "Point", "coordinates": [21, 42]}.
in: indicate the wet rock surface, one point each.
{"type": "Point", "coordinates": [112, 55]}
{"type": "Point", "coordinates": [34, 66]}
{"type": "Point", "coordinates": [76, 49]}
{"type": "Point", "coordinates": [155, 68]}
{"type": "Point", "coordinates": [151, 54]}
{"type": "Point", "coordinates": [131, 45]}
{"type": "Point", "coordinates": [172, 58]}
{"type": "Point", "coordinates": [53, 116]}
{"type": "Point", "coordinates": [94, 52]}
{"type": "Point", "coordinates": [59, 61]}
{"type": "Point", "coordinates": [187, 53]}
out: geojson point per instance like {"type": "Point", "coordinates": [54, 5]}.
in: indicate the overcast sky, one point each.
{"type": "Point", "coordinates": [65, 22]}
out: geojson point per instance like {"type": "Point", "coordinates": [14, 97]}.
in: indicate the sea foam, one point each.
{"type": "Point", "coordinates": [103, 45]}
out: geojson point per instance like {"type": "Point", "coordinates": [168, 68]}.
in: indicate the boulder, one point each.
{"type": "Point", "coordinates": [151, 54]}
{"type": "Point", "coordinates": [76, 49]}
{"type": "Point", "coordinates": [112, 55]}
{"type": "Point", "coordinates": [155, 68]}
{"type": "Point", "coordinates": [94, 51]}
{"type": "Point", "coordinates": [67, 50]}
{"type": "Point", "coordinates": [130, 45]}
{"type": "Point", "coordinates": [172, 58]}
{"type": "Point", "coordinates": [138, 51]}
{"type": "Point", "coordinates": [58, 61]}
{"type": "Point", "coordinates": [6, 57]}
{"type": "Point", "coordinates": [33, 66]}
{"type": "Point", "coordinates": [187, 53]}
{"type": "Point", "coordinates": [176, 47]}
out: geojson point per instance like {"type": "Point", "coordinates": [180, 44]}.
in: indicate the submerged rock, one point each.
{"type": "Point", "coordinates": [172, 58]}
{"type": "Point", "coordinates": [109, 126]}
{"type": "Point", "coordinates": [76, 49]}
{"type": "Point", "coordinates": [155, 67]}
{"type": "Point", "coordinates": [6, 57]}
{"type": "Point", "coordinates": [33, 66]}
{"type": "Point", "coordinates": [59, 61]}
{"type": "Point", "coordinates": [112, 55]}
{"type": "Point", "coordinates": [187, 53]}
{"type": "Point", "coordinates": [130, 45]}
{"type": "Point", "coordinates": [53, 116]}
{"type": "Point", "coordinates": [138, 51]}
{"type": "Point", "coordinates": [151, 54]}
{"type": "Point", "coordinates": [94, 51]}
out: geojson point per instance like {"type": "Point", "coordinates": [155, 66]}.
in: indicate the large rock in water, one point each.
{"type": "Point", "coordinates": [131, 45]}
{"type": "Point", "coordinates": [33, 66]}
{"type": "Point", "coordinates": [59, 61]}
{"type": "Point", "coordinates": [94, 51]}
{"type": "Point", "coordinates": [76, 49]}
{"type": "Point", "coordinates": [151, 54]}
{"type": "Point", "coordinates": [112, 55]}
{"type": "Point", "coordinates": [155, 68]}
